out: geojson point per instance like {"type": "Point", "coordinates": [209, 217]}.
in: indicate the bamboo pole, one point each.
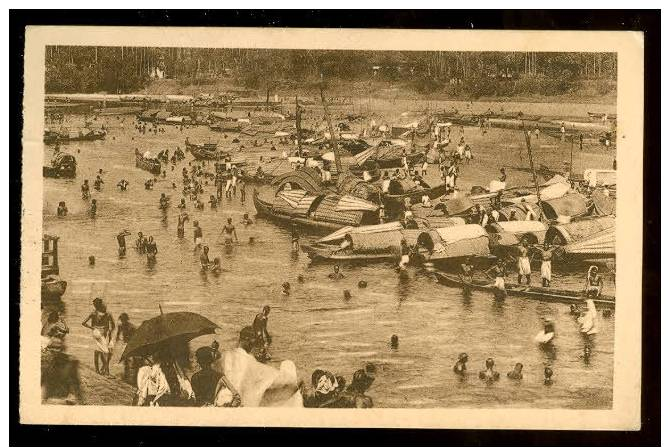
{"type": "Point", "coordinates": [532, 167]}
{"type": "Point", "coordinates": [333, 144]}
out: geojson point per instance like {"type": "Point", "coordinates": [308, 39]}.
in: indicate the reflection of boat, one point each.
{"type": "Point", "coordinates": [537, 293]}
{"type": "Point", "coordinates": [62, 166]}
{"type": "Point", "coordinates": [148, 164]}
{"type": "Point", "coordinates": [52, 286]}
{"type": "Point", "coordinates": [321, 212]}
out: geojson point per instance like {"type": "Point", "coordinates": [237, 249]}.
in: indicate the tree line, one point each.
{"type": "Point", "coordinates": [126, 69]}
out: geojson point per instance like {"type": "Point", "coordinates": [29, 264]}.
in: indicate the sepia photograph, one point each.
{"type": "Point", "coordinates": [401, 223]}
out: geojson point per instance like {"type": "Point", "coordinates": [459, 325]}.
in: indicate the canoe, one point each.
{"type": "Point", "coordinates": [524, 291]}
{"type": "Point", "coordinates": [148, 164]}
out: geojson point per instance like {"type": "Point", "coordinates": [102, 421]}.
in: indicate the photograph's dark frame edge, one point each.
{"type": "Point", "coordinates": [646, 21]}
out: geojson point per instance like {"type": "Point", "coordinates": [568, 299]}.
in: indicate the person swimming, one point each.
{"type": "Point", "coordinates": [546, 335]}
{"type": "Point", "coordinates": [123, 184]}
{"type": "Point", "coordinates": [181, 220]}
{"type": "Point", "coordinates": [336, 273]}
{"type": "Point", "coordinates": [286, 289]}
{"type": "Point", "coordinates": [489, 374]}
{"type": "Point", "coordinates": [461, 364]}
{"type": "Point", "coordinates": [516, 373]}
{"type": "Point", "coordinates": [215, 267]}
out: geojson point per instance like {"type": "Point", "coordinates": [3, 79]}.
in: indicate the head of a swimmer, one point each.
{"type": "Point", "coordinates": [489, 363]}
{"type": "Point", "coordinates": [462, 357]}
{"type": "Point", "coordinates": [266, 310]}
{"type": "Point", "coordinates": [230, 220]}
{"type": "Point", "coordinates": [336, 268]}
{"type": "Point", "coordinates": [99, 305]}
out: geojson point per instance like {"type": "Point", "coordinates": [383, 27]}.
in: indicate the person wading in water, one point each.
{"type": "Point", "coordinates": [228, 232]}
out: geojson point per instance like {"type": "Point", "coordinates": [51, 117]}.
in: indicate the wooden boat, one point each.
{"type": "Point", "coordinates": [316, 212]}
{"type": "Point", "coordinates": [524, 291]}
{"type": "Point", "coordinates": [152, 165]}
{"type": "Point", "coordinates": [65, 136]}
{"type": "Point", "coordinates": [201, 153]}
{"type": "Point", "coordinates": [209, 146]}
{"type": "Point", "coordinates": [53, 287]}
{"type": "Point", "coordinates": [62, 166]}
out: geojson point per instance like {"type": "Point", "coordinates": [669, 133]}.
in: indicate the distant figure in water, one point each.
{"type": "Point", "coordinates": [141, 243]}
{"type": "Point", "coordinates": [228, 232]}
{"type": "Point", "coordinates": [212, 202]}
{"type": "Point", "coordinates": [467, 270]}
{"type": "Point", "coordinates": [149, 185]}
{"type": "Point", "coordinates": [546, 335]}
{"type": "Point", "coordinates": [548, 373]}
{"type": "Point", "coordinates": [295, 237]}
{"type": "Point", "coordinates": [263, 337]}
{"type": "Point", "coordinates": [98, 183]}
{"type": "Point", "coordinates": [301, 279]}
{"type": "Point", "coordinates": [163, 202]}
{"type": "Point", "coordinates": [336, 273]}
{"type": "Point", "coordinates": [204, 258]}
{"type": "Point", "coordinates": [182, 204]}
{"type": "Point", "coordinates": [394, 342]}
{"type": "Point", "coordinates": [215, 268]}
{"type": "Point", "coordinates": [286, 289]}
{"type": "Point", "coordinates": [151, 249]}
{"type": "Point", "coordinates": [347, 295]}
{"type": "Point", "coordinates": [94, 208]}
{"type": "Point", "coordinates": [516, 374]}
{"type": "Point", "coordinates": [181, 220]}
{"type": "Point", "coordinates": [62, 209]}
{"type": "Point", "coordinates": [91, 261]}
{"type": "Point", "coordinates": [85, 190]}
{"type": "Point", "coordinates": [461, 364]}
{"type": "Point", "coordinates": [122, 185]}
{"type": "Point", "coordinates": [197, 234]}
{"type": "Point", "coordinates": [586, 356]}
{"type": "Point", "coordinates": [121, 239]}
{"type": "Point", "coordinates": [489, 375]}
{"type": "Point", "coordinates": [246, 220]}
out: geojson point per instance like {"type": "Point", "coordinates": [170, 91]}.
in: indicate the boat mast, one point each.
{"type": "Point", "coordinates": [298, 116]}
{"type": "Point", "coordinates": [333, 144]}
{"type": "Point", "coordinates": [532, 168]}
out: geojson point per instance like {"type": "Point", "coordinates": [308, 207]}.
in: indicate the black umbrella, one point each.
{"type": "Point", "coordinates": [161, 330]}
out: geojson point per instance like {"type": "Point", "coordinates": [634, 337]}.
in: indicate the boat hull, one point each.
{"type": "Point", "coordinates": [53, 290]}
{"type": "Point", "coordinates": [59, 172]}
{"type": "Point", "coordinates": [537, 293]}
{"type": "Point", "coordinates": [264, 209]}
{"type": "Point", "coordinates": [153, 166]}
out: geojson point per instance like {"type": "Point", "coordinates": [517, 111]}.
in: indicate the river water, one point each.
{"type": "Point", "coordinates": [314, 326]}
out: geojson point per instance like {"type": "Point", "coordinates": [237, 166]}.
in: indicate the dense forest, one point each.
{"type": "Point", "coordinates": [128, 69]}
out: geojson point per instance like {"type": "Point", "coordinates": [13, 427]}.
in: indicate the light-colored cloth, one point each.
{"type": "Point", "coordinates": [588, 321]}
{"type": "Point", "coordinates": [385, 185]}
{"type": "Point", "coordinates": [259, 385]}
{"type": "Point", "coordinates": [496, 185]}
{"type": "Point", "coordinates": [198, 241]}
{"type": "Point", "coordinates": [449, 181]}
{"type": "Point", "coordinates": [524, 265]}
{"type": "Point", "coordinates": [499, 283]}
{"type": "Point", "coordinates": [151, 382]}
{"type": "Point", "coordinates": [102, 343]}
{"type": "Point", "coordinates": [404, 260]}
{"type": "Point", "coordinates": [545, 270]}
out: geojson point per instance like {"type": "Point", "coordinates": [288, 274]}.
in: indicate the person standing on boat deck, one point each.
{"type": "Point", "coordinates": [546, 252]}
{"type": "Point", "coordinates": [102, 326]}
{"type": "Point", "coordinates": [594, 282]}
{"type": "Point", "coordinates": [121, 240]}
{"type": "Point", "coordinates": [85, 190]}
{"type": "Point", "coordinates": [524, 263]}
{"type": "Point", "coordinates": [228, 232]}
{"type": "Point", "coordinates": [499, 271]}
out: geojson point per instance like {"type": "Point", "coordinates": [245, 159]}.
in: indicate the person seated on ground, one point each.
{"type": "Point", "coordinates": [336, 273]}
{"type": "Point", "coordinates": [62, 209]}
{"type": "Point", "coordinates": [324, 392]}
{"type": "Point", "coordinates": [246, 220]}
{"type": "Point", "coordinates": [204, 382]}
{"type": "Point", "coordinates": [257, 384]}
{"type": "Point", "coordinates": [461, 364]}
{"type": "Point", "coordinates": [489, 375]}
{"type": "Point", "coordinates": [516, 374]}
{"type": "Point", "coordinates": [182, 204]}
